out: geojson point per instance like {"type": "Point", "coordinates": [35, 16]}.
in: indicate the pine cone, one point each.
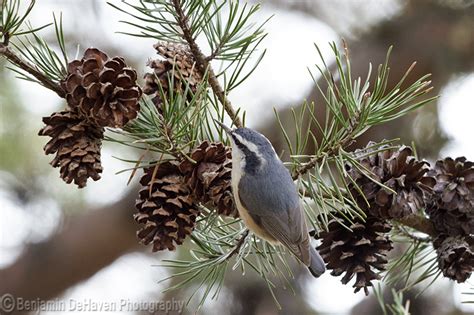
{"type": "Point", "coordinates": [76, 144]}
{"type": "Point", "coordinates": [455, 256]}
{"type": "Point", "coordinates": [177, 65]}
{"type": "Point", "coordinates": [397, 170]}
{"type": "Point", "coordinates": [452, 210]}
{"type": "Point", "coordinates": [358, 252]}
{"type": "Point", "coordinates": [103, 89]}
{"type": "Point", "coordinates": [210, 177]}
{"type": "Point", "coordinates": [166, 207]}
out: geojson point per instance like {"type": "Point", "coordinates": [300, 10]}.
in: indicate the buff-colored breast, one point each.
{"type": "Point", "coordinates": [238, 164]}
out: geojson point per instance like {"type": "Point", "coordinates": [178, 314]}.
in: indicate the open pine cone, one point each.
{"type": "Point", "coordinates": [76, 144]}
{"type": "Point", "coordinates": [103, 89]}
{"type": "Point", "coordinates": [210, 176]}
{"type": "Point", "coordinates": [455, 256]}
{"type": "Point", "coordinates": [359, 252]}
{"type": "Point", "coordinates": [452, 209]}
{"type": "Point", "coordinates": [177, 64]}
{"type": "Point", "coordinates": [399, 171]}
{"type": "Point", "coordinates": [165, 206]}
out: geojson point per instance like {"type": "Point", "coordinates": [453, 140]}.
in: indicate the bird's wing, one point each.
{"type": "Point", "coordinates": [290, 231]}
{"type": "Point", "coordinates": [277, 211]}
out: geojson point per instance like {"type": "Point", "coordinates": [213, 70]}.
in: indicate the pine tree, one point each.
{"type": "Point", "coordinates": [359, 203]}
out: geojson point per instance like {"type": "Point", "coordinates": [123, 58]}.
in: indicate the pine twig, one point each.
{"type": "Point", "coordinates": [414, 221]}
{"type": "Point", "coordinates": [238, 245]}
{"type": "Point", "coordinates": [409, 234]}
{"type": "Point", "coordinates": [419, 223]}
{"type": "Point", "coordinates": [31, 69]}
{"type": "Point", "coordinates": [306, 167]}
{"type": "Point", "coordinates": [348, 140]}
{"type": "Point", "coordinates": [203, 64]}
{"type": "Point", "coordinates": [6, 37]}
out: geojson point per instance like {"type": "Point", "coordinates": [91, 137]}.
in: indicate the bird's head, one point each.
{"type": "Point", "coordinates": [251, 148]}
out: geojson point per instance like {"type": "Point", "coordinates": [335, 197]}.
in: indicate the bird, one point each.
{"type": "Point", "coordinates": [266, 196]}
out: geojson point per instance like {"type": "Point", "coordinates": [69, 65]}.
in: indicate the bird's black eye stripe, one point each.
{"type": "Point", "coordinates": [252, 161]}
{"type": "Point", "coordinates": [238, 143]}
{"type": "Point", "coordinates": [241, 146]}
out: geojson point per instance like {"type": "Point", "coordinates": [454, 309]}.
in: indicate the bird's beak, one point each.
{"type": "Point", "coordinates": [226, 129]}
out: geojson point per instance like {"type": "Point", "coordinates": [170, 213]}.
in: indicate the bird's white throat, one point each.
{"type": "Point", "coordinates": [238, 164]}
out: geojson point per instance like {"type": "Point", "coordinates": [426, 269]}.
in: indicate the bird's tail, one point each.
{"type": "Point", "coordinates": [316, 265]}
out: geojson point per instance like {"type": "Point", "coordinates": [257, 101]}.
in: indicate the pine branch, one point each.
{"type": "Point", "coordinates": [351, 110]}
{"type": "Point", "coordinates": [419, 223]}
{"type": "Point", "coordinates": [331, 151]}
{"type": "Point", "coordinates": [6, 37]}
{"type": "Point", "coordinates": [311, 164]}
{"type": "Point", "coordinates": [31, 69]}
{"type": "Point", "coordinates": [203, 64]}
{"type": "Point", "coordinates": [409, 234]}
{"type": "Point", "coordinates": [12, 21]}
{"type": "Point", "coordinates": [238, 245]}
{"type": "Point", "coordinates": [173, 128]}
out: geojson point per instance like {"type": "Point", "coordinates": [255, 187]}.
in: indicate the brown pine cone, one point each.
{"type": "Point", "coordinates": [397, 170]}
{"type": "Point", "coordinates": [177, 65]}
{"type": "Point", "coordinates": [455, 256]}
{"type": "Point", "coordinates": [452, 209]}
{"type": "Point", "coordinates": [210, 176]}
{"type": "Point", "coordinates": [77, 146]}
{"type": "Point", "coordinates": [359, 252]}
{"type": "Point", "coordinates": [166, 207]}
{"type": "Point", "coordinates": [103, 89]}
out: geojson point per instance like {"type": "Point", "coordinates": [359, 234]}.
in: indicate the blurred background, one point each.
{"type": "Point", "coordinates": [60, 242]}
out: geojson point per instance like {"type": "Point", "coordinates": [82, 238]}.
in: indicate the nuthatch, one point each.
{"type": "Point", "coordinates": [266, 196]}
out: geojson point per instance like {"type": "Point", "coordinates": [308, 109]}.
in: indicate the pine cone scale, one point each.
{"type": "Point", "coordinates": [209, 176]}
{"type": "Point", "coordinates": [178, 67]}
{"type": "Point", "coordinates": [455, 256]}
{"type": "Point", "coordinates": [96, 85]}
{"type": "Point", "coordinates": [161, 202]}
{"type": "Point", "coordinates": [452, 209]}
{"type": "Point", "coordinates": [397, 170]}
{"type": "Point", "coordinates": [76, 144]}
{"type": "Point", "coordinates": [356, 252]}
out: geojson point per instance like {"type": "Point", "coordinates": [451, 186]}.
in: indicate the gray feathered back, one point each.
{"type": "Point", "coordinates": [270, 189]}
